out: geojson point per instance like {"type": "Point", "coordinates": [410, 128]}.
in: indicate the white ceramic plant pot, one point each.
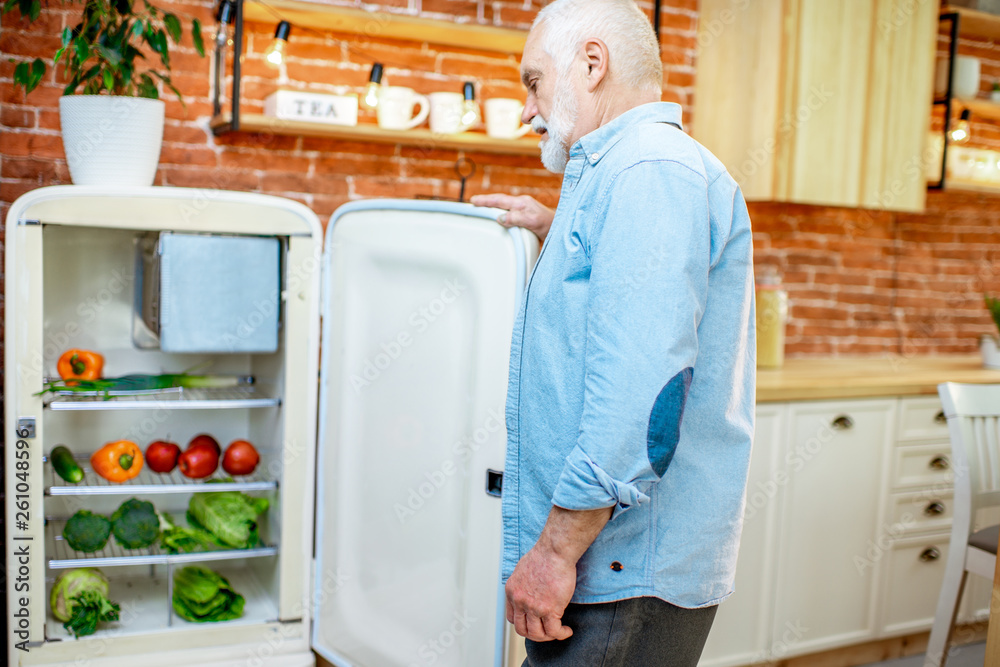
{"type": "Point", "coordinates": [990, 350]}
{"type": "Point", "coordinates": [110, 139]}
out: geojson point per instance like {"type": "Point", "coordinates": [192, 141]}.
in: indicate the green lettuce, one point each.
{"type": "Point", "coordinates": [230, 516]}
{"type": "Point", "coordinates": [202, 595]}
{"type": "Point", "coordinates": [185, 539]}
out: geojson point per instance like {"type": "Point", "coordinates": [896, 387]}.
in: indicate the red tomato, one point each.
{"type": "Point", "coordinates": [240, 458]}
{"type": "Point", "coordinates": [204, 439]}
{"type": "Point", "coordinates": [199, 461]}
{"type": "Point", "coordinates": [161, 456]}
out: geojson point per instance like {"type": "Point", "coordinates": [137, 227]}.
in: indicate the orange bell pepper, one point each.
{"type": "Point", "coordinates": [117, 461]}
{"type": "Point", "coordinates": [80, 365]}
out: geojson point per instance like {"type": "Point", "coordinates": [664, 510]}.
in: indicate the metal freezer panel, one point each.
{"type": "Point", "coordinates": [419, 302]}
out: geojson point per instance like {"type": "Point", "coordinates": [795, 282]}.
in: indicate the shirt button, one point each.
{"type": "Point", "coordinates": [594, 157]}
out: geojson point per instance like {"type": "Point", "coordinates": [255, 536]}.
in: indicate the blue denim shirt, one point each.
{"type": "Point", "coordinates": [632, 366]}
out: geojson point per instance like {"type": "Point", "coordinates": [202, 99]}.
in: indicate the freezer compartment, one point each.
{"type": "Point", "coordinates": [144, 593]}
{"type": "Point", "coordinates": [207, 293]}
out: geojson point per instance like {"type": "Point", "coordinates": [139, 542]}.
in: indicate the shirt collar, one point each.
{"type": "Point", "coordinates": [596, 144]}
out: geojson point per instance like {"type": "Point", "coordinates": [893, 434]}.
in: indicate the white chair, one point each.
{"type": "Point", "coordinates": [973, 412]}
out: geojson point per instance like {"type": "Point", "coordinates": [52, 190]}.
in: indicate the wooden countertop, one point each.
{"type": "Point", "coordinates": [852, 377]}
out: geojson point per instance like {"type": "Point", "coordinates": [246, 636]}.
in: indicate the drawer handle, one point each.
{"type": "Point", "coordinates": [934, 509]}
{"type": "Point", "coordinates": [940, 463]}
{"type": "Point", "coordinates": [930, 554]}
{"type": "Point", "coordinates": [939, 418]}
{"type": "Point", "coordinates": [842, 423]}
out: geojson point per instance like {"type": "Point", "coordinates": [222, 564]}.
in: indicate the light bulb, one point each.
{"type": "Point", "coordinates": [275, 53]}
{"type": "Point", "coordinates": [369, 101]}
{"type": "Point", "coordinates": [225, 15]}
{"type": "Point", "coordinates": [222, 36]}
{"type": "Point", "coordinates": [961, 132]}
{"type": "Point", "coordinates": [470, 109]}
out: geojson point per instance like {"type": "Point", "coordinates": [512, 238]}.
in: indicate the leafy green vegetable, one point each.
{"type": "Point", "coordinates": [135, 524]}
{"type": "Point", "coordinates": [134, 383]}
{"type": "Point", "coordinates": [185, 539]}
{"type": "Point", "coordinates": [202, 595]}
{"type": "Point", "coordinates": [86, 531]}
{"type": "Point", "coordinates": [89, 609]}
{"type": "Point", "coordinates": [229, 515]}
{"type": "Point", "coordinates": [79, 598]}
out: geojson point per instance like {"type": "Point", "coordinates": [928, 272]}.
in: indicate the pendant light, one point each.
{"type": "Point", "coordinates": [224, 16]}
{"type": "Point", "coordinates": [275, 53]}
{"type": "Point", "coordinates": [961, 132]}
{"type": "Point", "coordinates": [369, 100]}
{"type": "Point", "coordinates": [470, 110]}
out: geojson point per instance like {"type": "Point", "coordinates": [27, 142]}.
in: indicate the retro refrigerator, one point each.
{"type": "Point", "coordinates": [369, 369]}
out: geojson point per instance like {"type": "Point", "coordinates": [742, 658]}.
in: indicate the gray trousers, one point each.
{"type": "Point", "coordinates": [639, 632]}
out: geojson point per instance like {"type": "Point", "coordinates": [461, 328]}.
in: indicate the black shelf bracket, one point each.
{"type": "Point", "coordinates": [953, 17]}
{"type": "Point", "coordinates": [219, 80]}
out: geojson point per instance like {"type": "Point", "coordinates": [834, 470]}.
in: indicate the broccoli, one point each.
{"type": "Point", "coordinates": [135, 524]}
{"type": "Point", "coordinates": [86, 531]}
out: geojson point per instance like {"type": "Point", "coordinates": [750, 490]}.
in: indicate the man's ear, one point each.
{"type": "Point", "coordinates": [595, 51]}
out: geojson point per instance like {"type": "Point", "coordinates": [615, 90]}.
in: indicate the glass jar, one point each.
{"type": "Point", "coordinates": [772, 316]}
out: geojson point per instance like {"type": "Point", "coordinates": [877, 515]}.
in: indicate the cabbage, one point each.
{"type": "Point", "coordinates": [80, 599]}
{"type": "Point", "coordinates": [229, 515]}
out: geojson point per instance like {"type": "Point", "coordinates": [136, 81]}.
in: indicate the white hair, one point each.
{"type": "Point", "coordinates": [634, 53]}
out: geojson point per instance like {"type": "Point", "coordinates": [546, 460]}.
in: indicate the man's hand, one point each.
{"type": "Point", "coordinates": [537, 594]}
{"type": "Point", "coordinates": [543, 582]}
{"type": "Point", "coordinates": [522, 211]}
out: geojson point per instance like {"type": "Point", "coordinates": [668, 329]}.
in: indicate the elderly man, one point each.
{"type": "Point", "coordinates": [631, 394]}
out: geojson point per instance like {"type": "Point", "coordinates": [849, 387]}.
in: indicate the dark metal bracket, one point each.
{"type": "Point", "coordinates": [220, 75]}
{"type": "Point", "coordinates": [954, 18]}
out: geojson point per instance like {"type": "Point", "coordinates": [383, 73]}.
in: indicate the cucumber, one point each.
{"type": "Point", "coordinates": [64, 464]}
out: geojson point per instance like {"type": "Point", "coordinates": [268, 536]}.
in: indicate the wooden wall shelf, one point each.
{"type": "Point", "coordinates": [980, 108]}
{"type": "Point", "coordinates": [468, 141]}
{"type": "Point", "coordinates": [388, 26]}
{"type": "Point", "coordinates": [975, 24]}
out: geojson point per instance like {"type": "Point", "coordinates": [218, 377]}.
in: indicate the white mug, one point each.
{"type": "Point", "coordinates": [395, 108]}
{"type": "Point", "coordinates": [503, 118]}
{"type": "Point", "coordinates": [446, 113]}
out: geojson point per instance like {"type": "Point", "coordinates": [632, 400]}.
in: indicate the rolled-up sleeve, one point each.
{"type": "Point", "coordinates": [650, 256]}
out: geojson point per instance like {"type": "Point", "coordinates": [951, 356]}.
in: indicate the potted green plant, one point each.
{"type": "Point", "coordinates": [110, 112]}
{"type": "Point", "coordinates": [989, 344]}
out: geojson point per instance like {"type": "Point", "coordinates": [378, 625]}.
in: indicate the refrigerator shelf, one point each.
{"type": "Point", "coordinates": [173, 398]}
{"type": "Point", "coordinates": [62, 556]}
{"type": "Point", "coordinates": [149, 483]}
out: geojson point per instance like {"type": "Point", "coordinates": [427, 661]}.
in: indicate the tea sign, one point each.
{"type": "Point", "coordinates": [312, 107]}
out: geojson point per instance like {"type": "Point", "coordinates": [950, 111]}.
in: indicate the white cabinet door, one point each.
{"type": "Point", "coordinates": [830, 530]}
{"type": "Point", "coordinates": [742, 629]}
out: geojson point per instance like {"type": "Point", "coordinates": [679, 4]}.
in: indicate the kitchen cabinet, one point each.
{"type": "Point", "coordinates": [834, 457]}
{"type": "Point", "coordinates": [818, 102]}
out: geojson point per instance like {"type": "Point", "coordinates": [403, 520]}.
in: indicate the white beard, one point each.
{"type": "Point", "coordinates": [555, 152]}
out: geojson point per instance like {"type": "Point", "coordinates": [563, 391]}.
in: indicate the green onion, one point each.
{"type": "Point", "coordinates": [145, 383]}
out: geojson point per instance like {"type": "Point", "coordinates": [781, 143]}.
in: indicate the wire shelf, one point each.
{"type": "Point", "coordinates": [172, 398]}
{"type": "Point", "coordinates": [148, 482]}
{"type": "Point", "coordinates": [62, 556]}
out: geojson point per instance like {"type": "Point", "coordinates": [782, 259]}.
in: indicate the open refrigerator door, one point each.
{"type": "Point", "coordinates": [419, 303]}
{"type": "Point", "coordinates": [120, 272]}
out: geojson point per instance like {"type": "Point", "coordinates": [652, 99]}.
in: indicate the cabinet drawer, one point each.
{"type": "Point", "coordinates": [923, 512]}
{"type": "Point", "coordinates": [915, 570]}
{"type": "Point", "coordinates": [927, 466]}
{"type": "Point", "coordinates": [921, 419]}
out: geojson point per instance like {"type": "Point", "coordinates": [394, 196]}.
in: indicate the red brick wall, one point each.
{"type": "Point", "coordinates": [861, 282]}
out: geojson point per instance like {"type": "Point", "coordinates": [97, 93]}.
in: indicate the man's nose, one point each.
{"type": "Point", "coordinates": [530, 110]}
